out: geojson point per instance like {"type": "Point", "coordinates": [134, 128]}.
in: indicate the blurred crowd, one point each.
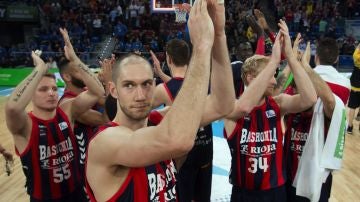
{"type": "Point", "coordinates": [136, 28]}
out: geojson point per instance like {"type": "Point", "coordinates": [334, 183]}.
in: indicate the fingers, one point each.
{"type": "Point", "coordinates": [153, 56]}
{"type": "Point", "coordinates": [113, 59]}
{"type": "Point", "coordinates": [298, 39]}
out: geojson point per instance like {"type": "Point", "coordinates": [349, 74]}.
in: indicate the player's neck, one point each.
{"type": "Point", "coordinates": [74, 89]}
{"type": "Point", "coordinates": [262, 100]}
{"type": "Point", "coordinates": [179, 71]}
{"type": "Point", "coordinates": [43, 114]}
{"type": "Point", "coordinates": [123, 120]}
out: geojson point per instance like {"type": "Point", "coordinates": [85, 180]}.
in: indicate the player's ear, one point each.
{"type": "Point", "coordinates": [112, 89]}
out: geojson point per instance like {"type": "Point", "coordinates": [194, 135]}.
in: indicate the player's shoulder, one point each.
{"type": "Point", "coordinates": [110, 136]}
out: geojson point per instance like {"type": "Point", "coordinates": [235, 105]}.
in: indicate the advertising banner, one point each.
{"type": "Point", "coordinates": [12, 77]}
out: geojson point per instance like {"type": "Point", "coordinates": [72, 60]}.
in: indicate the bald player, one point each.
{"type": "Point", "coordinates": [138, 164]}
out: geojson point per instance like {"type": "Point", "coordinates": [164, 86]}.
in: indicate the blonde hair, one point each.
{"type": "Point", "coordinates": [253, 65]}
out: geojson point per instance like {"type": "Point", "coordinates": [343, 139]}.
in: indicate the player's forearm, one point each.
{"type": "Point", "coordinates": [188, 106]}
{"type": "Point", "coordinates": [303, 83]}
{"type": "Point", "coordinates": [164, 77]}
{"type": "Point", "coordinates": [222, 88]}
{"type": "Point", "coordinates": [322, 90]}
{"type": "Point", "coordinates": [23, 93]}
{"type": "Point", "coordinates": [90, 79]}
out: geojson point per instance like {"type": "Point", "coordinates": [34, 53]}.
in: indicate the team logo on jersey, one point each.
{"type": "Point", "coordinates": [63, 125]}
{"type": "Point", "coordinates": [270, 113]}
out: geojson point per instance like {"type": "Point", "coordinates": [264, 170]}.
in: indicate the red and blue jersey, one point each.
{"type": "Point", "coordinates": [155, 182]}
{"type": "Point", "coordinates": [256, 147]}
{"type": "Point", "coordinates": [50, 160]}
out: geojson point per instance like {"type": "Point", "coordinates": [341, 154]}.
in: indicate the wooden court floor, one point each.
{"type": "Point", "coordinates": [346, 183]}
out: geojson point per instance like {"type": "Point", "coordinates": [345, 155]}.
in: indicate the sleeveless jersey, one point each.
{"type": "Point", "coordinates": [202, 152]}
{"type": "Point", "coordinates": [297, 132]}
{"type": "Point", "coordinates": [50, 160]}
{"type": "Point", "coordinates": [152, 183]}
{"type": "Point", "coordinates": [256, 147]}
{"type": "Point", "coordinates": [83, 133]}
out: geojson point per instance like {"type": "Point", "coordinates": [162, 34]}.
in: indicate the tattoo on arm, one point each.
{"type": "Point", "coordinates": [88, 71]}
{"type": "Point", "coordinates": [26, 84]}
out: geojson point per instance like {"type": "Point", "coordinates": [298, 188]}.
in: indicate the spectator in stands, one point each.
{"type": "Point", "coordinates": [120, 30]}
{"type": "Point", "coordinates": [97, 26]}
{"type": "Point", "coordinates": [51, 63]}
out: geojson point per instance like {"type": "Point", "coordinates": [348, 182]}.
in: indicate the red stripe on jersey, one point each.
{"type": "Point", "coordinates": [279, 147]}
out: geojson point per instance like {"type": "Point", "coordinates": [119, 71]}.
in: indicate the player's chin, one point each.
{"type": "Point", "coordinates": [50, 107]}
{"type": "Point", "coordinates": [269, 91]}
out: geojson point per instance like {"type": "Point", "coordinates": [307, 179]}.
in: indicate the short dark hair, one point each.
{"type": "Point", "coordinates": [63, 65]}
{"type": "Point", "coordinates": [125, 59]}
{"type": "Point", "coordinates": [179, 52]}
{"type": "Point", "coordinates": [327, 51]}
{"type": "Point", "coordinates": [50, 75]}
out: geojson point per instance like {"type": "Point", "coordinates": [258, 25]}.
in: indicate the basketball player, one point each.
{"type": "Point", "coordinates": [86, 123]}
{"type": "Point", "coordinates": [253, 129]}
{"type": "Point", "coordinates": [177, 59]}
{"type": "Point", "coordinates": [138, 165]}
{"type": "Point", "coordinates": [195, 175]}
{"type": "Point", "coordinates": [327, 54]}
{"type": "Point", "coordinates": [197, 168]}
{"type": "Point", "coordinates": [44, 137]}
{"type": "Point", "coordinates": [298, 127]}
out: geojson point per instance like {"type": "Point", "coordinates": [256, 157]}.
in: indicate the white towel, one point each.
{"type": "Point", "coordinates": [319, 159]}
{"type": "Point", "coordinates": [330, 74]}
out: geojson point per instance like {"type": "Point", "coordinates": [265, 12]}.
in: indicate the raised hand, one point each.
{"type": "Point", "coordinates": [106, 70]}
{"type": "Point", "coordinates": [217, 14]}
{"type": "Point", "coordinates": [157, 68]}
{"type": "Point", "coordinates": [287, 48]}
{"type": "Point", "coordinates": [305, 60]}
{"type": "Point", "coordinates": [201, 28]}
{"type": "Point", "coordinates": [276, 49]}
{"type": "Point", "coordinates": [38, 62]}
{"type": "Point", "coordinates": [261, 19]}
{"type": "Point", "coordinates": [254, 25]}
{"type": "Point", "coordinates": [68, 48]}
{"type": "Point", "coordinates": [296, 51]}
